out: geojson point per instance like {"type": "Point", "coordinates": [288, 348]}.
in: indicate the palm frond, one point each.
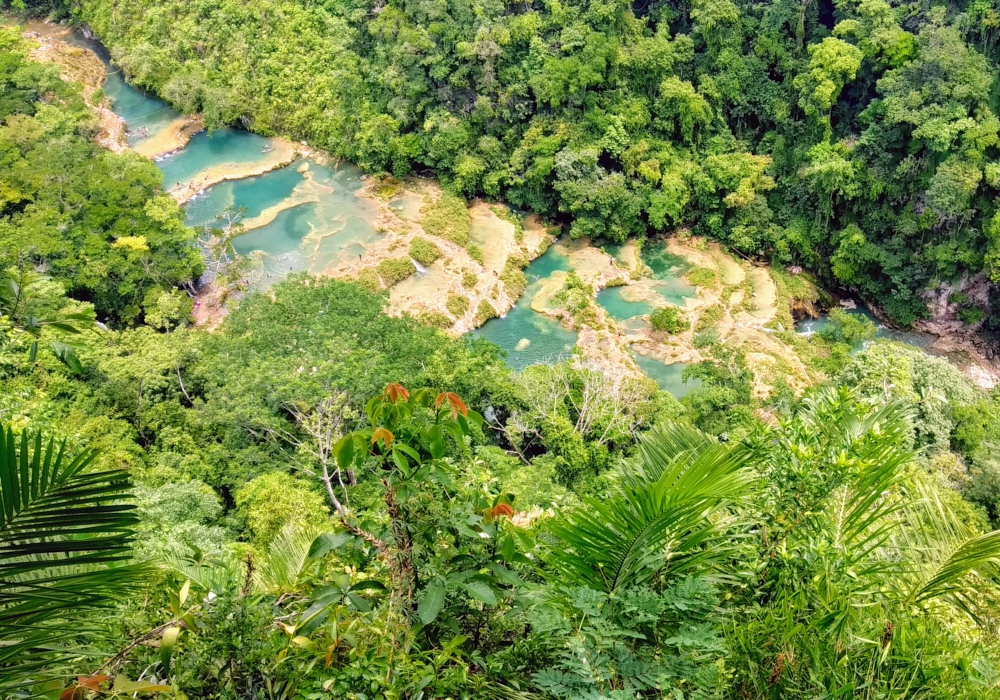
{"type": "Point", "coordinates": [661, 517]}
{"type": "Point", "coordinates": [65, 535]}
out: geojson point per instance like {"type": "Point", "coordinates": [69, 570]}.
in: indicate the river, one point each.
{"type": "Point", "coordinates": [306, 216]}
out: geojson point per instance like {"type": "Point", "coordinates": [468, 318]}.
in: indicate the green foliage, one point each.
{"type": "Point", "coordinates": [275, 500]}
{"type": "Point", "coordinates": [393, 270]}
{"type": "Point", "coordinates": [368, 279]}
{"type": "Point", "coordinates": [485, 312]}
{"type": "Point", "coordinates": [447, 218]}
{"type": "Point", "coordinates": [702, 277]}
{"type": "Point", "coordinates": [576, 297]}
{"type": "Point", "coordinates": [844, 327]}
{"type": "Point", "coordinates": [423, 251]}
{"type": "Point", "coordinates": [669, 319]}
{"type": "Point", "coordinates": [513, 277]}
{"type": "Point", "coordinates": [106, 232]}
{"type": "Point", "coordinates": [435, 319]}
{"type": "Point", "coordinates": [860, 146]}
{"type": "Point", "coordinates": [476, 253]}
{"type": "Point", "coordinates": [457, 305]}
{"type": "Point", "coordinates": [65, 533]}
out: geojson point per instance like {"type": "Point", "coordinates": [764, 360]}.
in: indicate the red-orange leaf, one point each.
{"type": "Point", "coordinates": [503, 509]}
{"type": "Point", "coordinates": [74, 692]}
{"type": "Point", "coordinates": [457, 406]}
{"type": "Point", "coordinates": [382, 434]}
{"type": "Point", "coordinates": [395, 391]}
{"type": "Point", "coordinates": [91, 682]}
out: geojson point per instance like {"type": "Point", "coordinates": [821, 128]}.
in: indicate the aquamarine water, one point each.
{"type": "Point", "coordinates": [548, 341]}
{"type": "Point", "coordinates": [668, 270]}
{"type": "Point", "coordinates": [621, 309]}
{"type": "Point", "coordinates": [667, 376]}
{"type": "Point", "coordinates": [255, 194]}
{"type": "Point", "coordinates": [207, 150]}
{"type": "Point", "coordinates": [138, 108]}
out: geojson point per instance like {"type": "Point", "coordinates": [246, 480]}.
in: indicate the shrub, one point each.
{"type": "Point", "coordinates": [485, 312]}
{"type": "Point", "coordinates": [971, 316]}
{"type": "Point", "coordinates": [272, 501]}
{"type": "Point", "coordinates": [476, 253]}
{"type": "Point", "coordinates": [434, 319]}
{"type": "Point", "coordinates": [395, 270]}
{"type": "Point", "coordinates": [423, 251]}
{"type": "Point", "coordinates": [512, 276]}
{"type": "Point", "coordinates": [669, 319]}
{"type": "Point", "coordinates": [577, 297]}
{"type": "Point", "coordinates": [848, 328]}
{"type": "Point", "coordinates": [369, 280]}
{"type": "Point", "coordinates": [701, 277]}
{"type": "Point", "coordinates": [469, 279]}
{"type": "Point", "coordinates": [457, 305]}
{"type": "Point", "coordinates": [448, 218]}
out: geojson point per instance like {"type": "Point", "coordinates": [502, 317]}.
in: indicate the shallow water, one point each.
{"type": "Point", "coordinates": [920, 340]}
{"type": "Point", "coordinates": [669, 270]}
{"type": "Point", "coordinates": [207, 150]}
{"type": "Point", "coordinates": [138, 108]}
{"type": "Point", "coordinates": [622, 309]}
{"type": "Point", "coordinates": [667, 376]}
{"type": "Point", "coordinates": [547, 341]}
{"type": "Point", "coordinates": [254, 193]}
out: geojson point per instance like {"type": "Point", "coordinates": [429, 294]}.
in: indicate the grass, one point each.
{"type": "Point", "coordinates": [423, 251]}
{"type": "Point", "coordinates": [457, 305]}
{"type": "Point", "coordinates": [476, 253]}
{"type": "Point", "coordinates": [448, 218]}
{"type": "Point", "coordinates": [469, 279]}
{"type": "Point", "coordinates": [395, 270]}
{"type": "Point", "coordinates": [710, 317]}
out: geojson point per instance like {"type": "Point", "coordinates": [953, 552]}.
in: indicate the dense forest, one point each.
{"type": "Point", "coordinates": [855, 138]}
{"type": "Point", "coordinates": [320, 500]}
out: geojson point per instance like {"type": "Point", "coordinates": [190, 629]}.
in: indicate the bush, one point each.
{"type": "Point", "coordinates": [848, 328]}
{"type": "Point", "coordinates": [485, 312]}
{"type": "Point", "coordinates": [971, 316]}
{"type": "Point", "coordinates": [469, 279]}
{"type": "Point", "coordinates": [457, 305]}
{"type": "Point", "coordinates": [423, 251]}
{"type": "Point", "coordinates": [669, 319]}
{"type": "Point", "coordinates": [395, 270]}
{"type": "Point", "coordinates": [513, 278]}
{"type": "Point", "coordinates": [369, 280]}
{"type": "Point", "coordinates": [701, 277]}
{"type": "Point", "coordinates": [434, 319]}
{"type": "Point", "coordinates": [448, 218]}
{"type": "Point", "coordinates": [272, 501]}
